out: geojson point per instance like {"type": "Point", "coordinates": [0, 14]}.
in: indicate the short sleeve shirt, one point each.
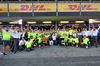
{"type": "Point", "coordinates": [6, 35]}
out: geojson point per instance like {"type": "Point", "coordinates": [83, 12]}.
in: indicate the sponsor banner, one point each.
{"type": "Point", "coordinates": [75, 7]}
{"type": "Point", "coordinates": [79, 24]}
{"type": "Point", "coordinates": [27, 7]}
{"type": "Point", "coordinates": [38, 25]}
{"type": "Point", "coordinates": [50, 7]}
{"type": "Point", "coordinates": [9, 25]}
{"type": "Point", "coordinates": [3, 7]}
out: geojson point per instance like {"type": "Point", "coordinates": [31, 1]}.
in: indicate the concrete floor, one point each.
{"type": "Point", "coordinates": [53, 56]}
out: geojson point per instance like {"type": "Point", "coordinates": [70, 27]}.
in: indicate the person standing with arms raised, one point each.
{"type": "Point", "coordinates": [16, 37]}
{"type": "Point", "coordinates": [6, 39]}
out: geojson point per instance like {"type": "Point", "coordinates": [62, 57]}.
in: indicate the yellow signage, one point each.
{"type": "Point", "coordinates": [75, 7]}
{"type": "Point", "coordinates": [27, 7]}
{"type": "Point", "coordinates": [3, 7]}
{"type": "Point", "coordinates": [50, 7]}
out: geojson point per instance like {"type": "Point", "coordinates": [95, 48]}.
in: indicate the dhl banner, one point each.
{"type": "Point", "coordinates": [27, 7]}
{"type": "Point", "coordinates": [75, 7]}
{"type": "Point", "coordinates": [50, 7]}
{"type": "Point", "coordinates": [3, 7]}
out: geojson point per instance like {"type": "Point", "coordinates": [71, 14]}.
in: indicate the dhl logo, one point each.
{"type": "Point", "coordinates": [29, 8]}
{"type": "Point", "coordinates": [83, 7]}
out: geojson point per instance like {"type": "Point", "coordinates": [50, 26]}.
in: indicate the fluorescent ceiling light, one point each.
{"type": "Point", "coordinates": [96, 21]}
{"type": "Point", "coordinates": [13, 22]}
{"type": "Point", "coordinates": [47, 22]}
{"type": "Point", "coordinates": [31, 22]}
{"type": "Point", "coordinates": [0, 22]}
{"type": "Point", "coordinates": [79, 22]}
{"type": "Point", "coordinates": [64, 21]}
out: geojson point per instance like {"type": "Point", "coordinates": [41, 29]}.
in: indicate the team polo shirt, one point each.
{"type": "Point", "coordinates": [46, 35]}
{"type": "Point", "coordinates": [28, 44]}
{"type": "Point", "coordinates": [6, 35]}
{"type": "Point", "coordinates": [61, 33]}
{"type": "Point", "coordinates": [38, 35]}
{"type": "Point", "coordinates": [71, 32]}
{"type": "Point", "coordinates": [70, 40]}
{"type": "Point", "coordinates": [39, 40]}
{"type": "Point", "coordinates": [66, 39]}
{"type": "Point", "coordinates": [85, 41]}
{"type": "Point", "coordinates": [33, 34]}
{"type": "Point", "coordinates": [31, 40]}
{"type": "Point", "coordinates": [76, 40]}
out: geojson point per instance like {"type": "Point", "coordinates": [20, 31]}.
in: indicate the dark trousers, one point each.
{"type": "Point", "coordinates": [90, 40]}
{"type": "Point", "coordinates": [54, 42]}
{"type": "Point", "coordinates": [29, 49]}
{"type": "Point", "coordinates": [94, 41]}
{"type": "Point", "coordinates": [21, 47]}
{"type": "Point", "coordinates": [16, 44]}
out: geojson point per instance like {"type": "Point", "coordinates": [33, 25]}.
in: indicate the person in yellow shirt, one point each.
{"type": "Point", "coordinates": [85, 42]}
{"type": "Point", "coordinates": [6, 39]}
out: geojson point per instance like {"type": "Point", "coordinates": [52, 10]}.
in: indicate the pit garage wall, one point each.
{"type": "Point", "coordinates": [49, 9]}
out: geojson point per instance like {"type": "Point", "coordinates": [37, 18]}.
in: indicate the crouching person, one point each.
{"type": "Point", "coordinates": [85, 42]}
{"type": "Point", "coordinates": [28, 45]}
{"type": "Point", "coordinates": [22, 44]}
{"type": "Point", "coordinates": [70, 41]}
{"type": "Point", "coordinates": [75, 42]}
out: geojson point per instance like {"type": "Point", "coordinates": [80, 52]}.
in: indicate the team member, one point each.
{"type": "Point", "coordinates": [51, 40]}
{"type": "Point", "coordinates": [28, 45]}
{"type": "Point", "coordinates": [94, 36]}
{"type": "Point", "coordinates": [40, 41]}
{"type": "Point", "coordinates": [75, 42]}
{"type": "Point", "coordinates": [35, 42]}
{"type": "Point", "coordinates": [70, 41]}
{"type": "Point", "coordinates": [22, 44]}
{"type": "Point", "coordinates": [16, 37]}
{"type": "Point", "coordinates": [6, 39]}
{"type": "Point", "coordinates": [54, 39]}
{"type": "Point", "coordinates": [85, 32]}
{"type": "Point", "coordinates": [89, 35]}
{"type": "Point", "coordinates": [85, 42]}
{"type": "Point", "coordinates": [80, 36]}
{"type": "Point", "coordinates": [66, 39]}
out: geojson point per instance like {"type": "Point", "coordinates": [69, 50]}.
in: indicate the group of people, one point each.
{"type": "Point", "coordinates": [26, 38]}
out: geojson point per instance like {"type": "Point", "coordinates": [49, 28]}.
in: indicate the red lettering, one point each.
{"type": "Point", "coordinates": [36, 7]}
{"type": "Point", "coordinates": [82, 7]}
{"type": "Point", "coordinates": [41, 7]}
{"type": "Point", "coordinates": [30, 8]}
{"type": "Point", "coordinates": [89, 7]}
{"type": "Point", "coordinates": [24, 7]}
{"type": "Point", "coordinates": [72, 7]}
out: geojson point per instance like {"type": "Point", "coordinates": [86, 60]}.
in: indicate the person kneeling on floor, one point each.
{"type": "Point", "coordinates": [75, 42]}
{"type": "Point", "coordinates": [85, 42]}
{"type": "Point", "coordinates": [28, 45]}
{"type": "Point", "coordinates": [22, 44]}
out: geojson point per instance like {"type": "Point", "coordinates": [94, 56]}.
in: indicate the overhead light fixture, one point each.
{"type": "Point", "coordinates": [90, 20]}
{"type": "Point", "coordinates": [96, 21]}
{"type": "Point", "coordinates": [20, 21]}
{"type": "Point", "coordinates": [79, 22]}
{"type": "Point", "coordinates": [0, 22]}
{"type": "Point", "coordinates": [31, 22]}
{"type": "Point", "coordinates": [47, 22]}
{"type": "Point", "coordinates": [13, 22]}
{"type": "Point", "coordinates": [64, 21]}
